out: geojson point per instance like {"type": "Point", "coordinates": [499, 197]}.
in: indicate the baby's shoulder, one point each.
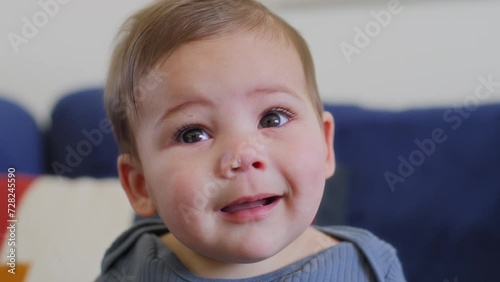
{"type": "Point", "coordinates": [358, 236]}
{"type": "Point", "coordinates": [133, 250]}
{"type": "Point", "coordinates": [381, 255]}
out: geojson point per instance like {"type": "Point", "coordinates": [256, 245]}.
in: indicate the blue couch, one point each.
{"type": "Point", "coordinates": [426, 180]}
{"type": "Point", "coordinates": [21, 141]}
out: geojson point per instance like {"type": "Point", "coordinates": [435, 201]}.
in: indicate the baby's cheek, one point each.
{"type": "Point", "coordinates": [309, 158]}
{"type": "Point", "coordinates": [183, 198]}
{"type": "Point", "coordinates": [165, 189]}
{"type": "Point", "coordinates": [308, 180]}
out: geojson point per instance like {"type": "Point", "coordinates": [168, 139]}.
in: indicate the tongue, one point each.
{"type": "Point", "coordinates": [244, 206]}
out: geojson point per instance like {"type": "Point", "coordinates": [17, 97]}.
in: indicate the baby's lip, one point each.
{"type": "Point", "coordinates": [250, 202]}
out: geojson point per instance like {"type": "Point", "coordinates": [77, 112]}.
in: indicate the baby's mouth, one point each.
{"type": "Point", "coordinates": [243, 205]}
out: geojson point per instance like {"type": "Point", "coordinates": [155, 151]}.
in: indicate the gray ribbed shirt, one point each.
{"type": "Point", "coordinates": [139, 255]}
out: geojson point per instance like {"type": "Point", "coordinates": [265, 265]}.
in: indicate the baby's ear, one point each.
{"type": "Point", "coordinates": [134, 184]}
{"type": "Point", "coordinates": [328, 130]}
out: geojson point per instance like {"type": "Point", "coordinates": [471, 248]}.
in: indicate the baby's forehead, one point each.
{"type": "Point", "coordinates": [166, 68]}
{"type": "Point", "coordinates": [280, 38]}
{"type": "Point", "coordinates": [162, 72]}
{"type": "Point", "coordinates": [167, 74]}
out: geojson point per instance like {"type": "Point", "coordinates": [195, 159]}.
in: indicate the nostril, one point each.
{"type": "Point", "coordinates": [257, 165]}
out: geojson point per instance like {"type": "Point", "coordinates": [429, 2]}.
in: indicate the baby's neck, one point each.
{"type": "Point", "coordinates": [310, 242]}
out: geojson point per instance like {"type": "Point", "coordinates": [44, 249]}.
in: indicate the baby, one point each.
{"type": "Point", "coordinates": [223, 135]}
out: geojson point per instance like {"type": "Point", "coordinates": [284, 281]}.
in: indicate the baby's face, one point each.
{"type": "Point", "coordinates": [233, 156]}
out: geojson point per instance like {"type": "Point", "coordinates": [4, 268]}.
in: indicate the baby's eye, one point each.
{"type": "Point", "coordinates": [192, 135]}
{"type": "Point", "coordinates": [275, 118]}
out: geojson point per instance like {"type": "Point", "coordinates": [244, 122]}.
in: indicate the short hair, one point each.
{"type": "Point", "coordinates": [153, 33]}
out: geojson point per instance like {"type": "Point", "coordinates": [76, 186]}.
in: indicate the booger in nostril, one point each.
{"type": "Point", "coordinates": [230, 163]}
{"type": "Point", "coordinates": [236, 163]}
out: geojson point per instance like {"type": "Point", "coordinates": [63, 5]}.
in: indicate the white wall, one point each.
{"type": "Point", "coordinates": [71, 51]}
{"type": "Point", "coordinates": [430, 54]}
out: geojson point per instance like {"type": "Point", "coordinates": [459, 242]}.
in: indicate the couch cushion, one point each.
{"type": "Point", "coordinates": [64, 226]}
{"type": "Point", "coordinates": [80, 140]}
{"type": "Point", "coordinates": [21, 141]}
{"type": "Point", "coordinates": [428, 182]}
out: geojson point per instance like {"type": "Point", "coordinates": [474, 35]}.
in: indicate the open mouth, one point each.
{"type": "Point", "coordinates": [245, 205]}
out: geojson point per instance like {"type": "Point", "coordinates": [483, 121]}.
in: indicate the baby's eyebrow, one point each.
{"type": "Point", "coordinates": [205, 102]}
{"type": "Point", "coordinates": [274, 89]}
{"type": "Point", "coordinates": [180, 107]}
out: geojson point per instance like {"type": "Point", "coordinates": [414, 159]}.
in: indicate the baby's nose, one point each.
{"type": "Point", "coordinates": [237, 161]}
